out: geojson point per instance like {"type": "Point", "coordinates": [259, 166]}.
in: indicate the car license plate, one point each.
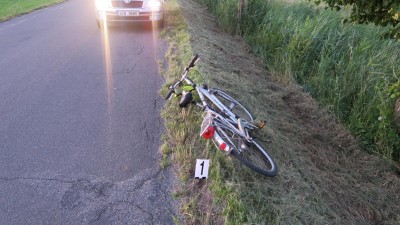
{"type": "Point", "coordinates": [127, 13]}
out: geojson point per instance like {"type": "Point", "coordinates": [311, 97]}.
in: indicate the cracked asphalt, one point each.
{"type": "Point", "coordinates": [80, 121]}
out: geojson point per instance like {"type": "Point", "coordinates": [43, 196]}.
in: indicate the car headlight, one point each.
{"type": "Point", "coordinates": [102, 4]}
{"type": "Point", "coordinates": [154, 5]}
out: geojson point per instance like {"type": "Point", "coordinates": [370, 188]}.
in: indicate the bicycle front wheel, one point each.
{"type": "Point", "coordinates": [232, 104]}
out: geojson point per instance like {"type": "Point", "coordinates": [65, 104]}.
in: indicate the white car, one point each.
{"type": "Point", "coordinates": [110, 11]}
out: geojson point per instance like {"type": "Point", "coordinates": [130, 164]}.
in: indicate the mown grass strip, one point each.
{"type": "Point", "coordinates": [12, 8]}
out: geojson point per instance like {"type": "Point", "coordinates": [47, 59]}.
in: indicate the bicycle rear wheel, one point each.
{"type": "Point", "coordinates": [232, 104]}
{"type": "Point", "coordinates": [252, 155]}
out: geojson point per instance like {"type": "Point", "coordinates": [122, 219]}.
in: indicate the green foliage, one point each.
{"type": "Point", "coordinates": [379, 12]}
{"type": "Point", "coordinates": [394, 90]}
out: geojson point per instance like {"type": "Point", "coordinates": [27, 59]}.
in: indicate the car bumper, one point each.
{"type": "Point", "coordinates": [125, 15]}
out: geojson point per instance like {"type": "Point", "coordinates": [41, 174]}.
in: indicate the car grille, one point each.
{"type": "Point", "coordinates": [131, 4]}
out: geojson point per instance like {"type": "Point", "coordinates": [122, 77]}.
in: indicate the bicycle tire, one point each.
{"type": "Point", "coordinates": [257, 159]}
{"type": "Point", "coordinates": [232, 104]}
{"type": "Point", "coordinates": [253, 156]}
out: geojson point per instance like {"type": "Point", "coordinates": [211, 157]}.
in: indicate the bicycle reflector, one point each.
{"type": "Point", "coordinates": [220, 143]}
{"type": "Point", "coordinates": [207, 129]}
{"type": "Point", "coordinates": [208, 132]}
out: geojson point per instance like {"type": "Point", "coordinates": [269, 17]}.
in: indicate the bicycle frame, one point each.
{"type": "Point", "coordinates": [231, 119]}
{"type": "Point", "coordinates": [236, 124]}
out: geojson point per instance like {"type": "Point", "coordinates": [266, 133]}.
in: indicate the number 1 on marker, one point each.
{"type": "Point", "coordinates": [202, 166]}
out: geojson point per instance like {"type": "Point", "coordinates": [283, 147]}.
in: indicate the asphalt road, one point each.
{"type": "Point", "coordinates": [79, 121]}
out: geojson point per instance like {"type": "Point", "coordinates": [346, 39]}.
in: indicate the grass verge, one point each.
{"type": "Point", "coordinates": [182, 139]}
{"type": "Point", "coordinates": [323, 179]}
{"type": "Point", "coordinates": [10, 8]}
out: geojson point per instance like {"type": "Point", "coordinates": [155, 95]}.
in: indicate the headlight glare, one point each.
{"type": "Point", "coordinates": [102, 4]}
{"type": "Point", "coordinates": [154, 4]}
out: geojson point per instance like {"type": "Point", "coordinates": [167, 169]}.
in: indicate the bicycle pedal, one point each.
{"type": "Point", "coordinates": [260, 124]}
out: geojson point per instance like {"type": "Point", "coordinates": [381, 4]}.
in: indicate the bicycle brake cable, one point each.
{"type": "Point", "coordinates": [201, 75]}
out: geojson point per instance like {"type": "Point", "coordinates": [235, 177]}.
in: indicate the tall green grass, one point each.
{"type": "Point", "coordinates": [348, 68]}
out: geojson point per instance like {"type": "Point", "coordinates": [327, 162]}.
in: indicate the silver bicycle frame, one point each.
{"type": "Point", "coordinates": [205, 93]}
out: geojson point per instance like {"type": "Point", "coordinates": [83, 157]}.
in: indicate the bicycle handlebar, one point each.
{"type": "Point", "coordinates": [193, 61]}
{"type": "Point", "coordinates": [170, 92]}
{"type": "Point", "coordinates": [172, 87]}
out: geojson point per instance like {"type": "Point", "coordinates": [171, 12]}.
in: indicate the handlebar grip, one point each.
{"type": "Point", "coordinates": [170, 92]}
{"type": "Point", "coordinates": [195, 58]}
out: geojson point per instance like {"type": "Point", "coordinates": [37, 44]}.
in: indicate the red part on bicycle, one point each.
{"type": "Point", "coordinates": [208, 133]}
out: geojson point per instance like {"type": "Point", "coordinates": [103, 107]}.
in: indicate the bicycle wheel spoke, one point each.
{"type": "Point", "coordinates": [256, 156]}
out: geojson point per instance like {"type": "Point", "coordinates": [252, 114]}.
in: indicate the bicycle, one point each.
{"type": "Point", "coordinates": [226, 122]}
